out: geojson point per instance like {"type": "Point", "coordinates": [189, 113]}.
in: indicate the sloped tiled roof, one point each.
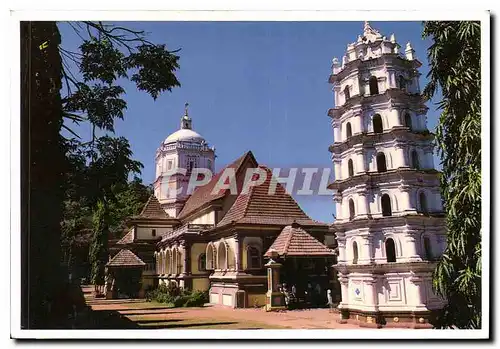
{"type": "Point", "coordinates": [203, 195]}
{"type": "Point", "coordinates": [125, 258]}
{"type": "Point", "coordinates": [259, 207]}
{"type": "Point", "coordinates": [127, 238]}
{"type": "Point", "coordinates": [152, 210]}
{"type": "Point", "coordinates": [295, 241]}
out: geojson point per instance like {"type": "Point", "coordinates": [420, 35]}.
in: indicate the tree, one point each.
{"type": "Point", "coordinates": [454, 59]}
{"type": "Point", "coordinates": [108, 53]}
{"type": "Point", "coordinates": [64, 165]}
{"type": "Point", "coordinates": [43, 167]}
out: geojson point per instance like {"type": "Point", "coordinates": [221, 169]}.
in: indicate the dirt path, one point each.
{"type": "Point", "coordinates": [141, 314]}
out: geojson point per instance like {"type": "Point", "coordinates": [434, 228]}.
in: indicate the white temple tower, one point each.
{"type": "Point", "coordinates": [183, 149]}
{"type": "Point", "coordinates": [389, 223]}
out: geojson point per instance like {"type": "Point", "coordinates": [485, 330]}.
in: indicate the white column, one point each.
{"type": "Point", "coordinates": [336, 133]}
{"type": "Point", "coordinates": [418, 284]}
{"type": "Point", "coordinates": [410, 246]}
{"type": "Point", "coordinates": [362, 205]}
{"type": "Point", "coordinates": [405, 198]}
{"type": "Point", "coordinates": [360, 162]}
{"type": "Point", "coordinates": [337, 168]}
{"type": "Point", "coordinates": [361, 126]}
{"type": "Point", "coordinates": [366, 250]}
{"type": "Point", "coordinates": [342, 247]}
{"type": "Point", "coordinates": [401, 160]}
{"type": "Point", "coordinates": [396, 117]}
{"type": "Point", "coordinates": [371, 296]}
{"type": "Point", "coordinates": [344, 286]}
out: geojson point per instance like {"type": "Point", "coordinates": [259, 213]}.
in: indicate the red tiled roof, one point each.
{"type": "Point", "coordinates": [295, 241]}
{"type": "Point", "coordinates": [127, 238]}
{"type": "Point", "coordinates": [203, 195]}
{"type": "Point", "coordinates": [152, 210]}
{"type": "Point", "coordinates": [125, 258]}
{"type": "Point", "coordinates": [260, 207]}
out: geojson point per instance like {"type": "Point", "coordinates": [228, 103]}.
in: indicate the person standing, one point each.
{"type": "Point", "coordinates": [329, 300]}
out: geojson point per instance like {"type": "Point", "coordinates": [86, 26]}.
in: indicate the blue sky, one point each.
{"type": "Point", "coordinates": [259, 86]}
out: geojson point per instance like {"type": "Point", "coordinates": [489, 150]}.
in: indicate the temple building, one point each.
{"type": "Point", "coordinates": [217, 239]}
{"type": "Point", "coordinates": [390, 225]}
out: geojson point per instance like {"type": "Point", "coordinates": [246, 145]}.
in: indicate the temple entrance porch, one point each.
{"type": "Point", "coordinates": [307, 279]}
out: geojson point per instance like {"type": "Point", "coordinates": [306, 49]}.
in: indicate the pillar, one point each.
{"type": "Point", "coordinates": [418, 292]}
{"type": "Point", "coordinates": [344, 289]}
{"type": "Point", "coordinates": [410, 246]}
{"type": "Point", "coordinates": [237, 252]}
{"type": "Point", "coordinates": [405, 198]}
{"type": "Point", "coordinates": [401, 159]}
{"type": "Point", "coordinates": [362, 205]}
{"type": "Point", "coordinates": [361, 126]}
{"type": "Point", "coordinates": [366, 250]}
{"type": "Point", "coordinates": [341, 246]}
{"type": "Point", "coordinates": [360, 162]}
{"type": "Point", "coordinates": [187, 254]}
{"type": "Point", "coordinates": [337, 168]}
{"type": "Point", "coordinates": [336, 133]}
{"type": "Point", "coordinates": [371, 295]}
{"type": "Point", "coordinates": [274, 299]}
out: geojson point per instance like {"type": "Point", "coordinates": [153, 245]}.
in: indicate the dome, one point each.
{"type": "Point", "coordinates": [184, 135]}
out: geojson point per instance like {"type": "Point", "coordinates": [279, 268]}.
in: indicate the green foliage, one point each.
{"type": "Point", "coordinates": [98, 250]}
{"type": "Point", "coordinates": [102, 165]}
{"type": "Point", "coordinates": [177, 297]}
{"type": "Point", "coordinates": [454, 59]}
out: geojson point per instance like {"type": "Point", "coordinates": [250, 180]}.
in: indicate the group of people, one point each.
{"type": "Point", "coordinates": [313, 297]}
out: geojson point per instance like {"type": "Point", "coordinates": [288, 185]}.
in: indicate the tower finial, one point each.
{"type": "Point", "coordinates": [186, 108]}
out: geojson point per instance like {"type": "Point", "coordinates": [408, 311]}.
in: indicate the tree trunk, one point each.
{"type": "Point", "coordinates": [42, 169]}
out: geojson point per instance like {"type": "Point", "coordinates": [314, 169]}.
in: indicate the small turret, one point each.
{"type": "Point", "coordinates": [409, 52]}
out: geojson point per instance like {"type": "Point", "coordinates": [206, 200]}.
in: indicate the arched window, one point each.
{"type": "Point", "coordinates": [180, 263]}
{"type": "Point", "coordinates": [354, 253]}
{"type": "Point", "coordinates": [415, 163]}
{"type": "Point", "coordinates": [390, 250]}
{"type": "Point", "coordinates": [423, 203]}
{"type": "Point", "coordinates": [159, 263]}
{"type": "Point", "coordinates": [167, 262]}
{"type": "Point", "coordinates": [381, 163]}
{"type": "Point", "coordinates": [348, 130]}
{"type": "Point", "coordinates": [222, 256]}
{"type": "Point", "coordinates": [408, 121]}
{"type": "Point", "coordinates": [351, 209]}
{"type": "Point", "coordinates": [350, 167]}
{"type": "Point", "coordinates": [253, 258]}
{"type": "Point", "coordinates": [402, 82]}
{"type": "Point", "coordinates": [427, 248]}
{"type": "Point", "coordinates": [373, 85]}
{"type": "Point", "coordinates": [346, 93]}
{"type": "Point", "coordinates": [202, 262]}
{"type": "Point", "coordinates": [386, 205]}
{"type": "Point", "coordinates": [211, 258]}
{"type": "Point", "coordinates": [377, 124]}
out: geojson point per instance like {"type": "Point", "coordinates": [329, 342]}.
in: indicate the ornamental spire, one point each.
{"type": "Point", "coordinates": [186, 109]}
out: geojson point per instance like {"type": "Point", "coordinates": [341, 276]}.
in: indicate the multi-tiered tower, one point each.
{"type": "Point", "coordinates": [390, 223]}
{"type": "Point", "coordinates": [176, 157]}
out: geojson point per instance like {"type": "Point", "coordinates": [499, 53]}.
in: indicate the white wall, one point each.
{"type": "Point", "coordinates": [144, 232]}
{"type": "Point", "coordinates": [207, 218]}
